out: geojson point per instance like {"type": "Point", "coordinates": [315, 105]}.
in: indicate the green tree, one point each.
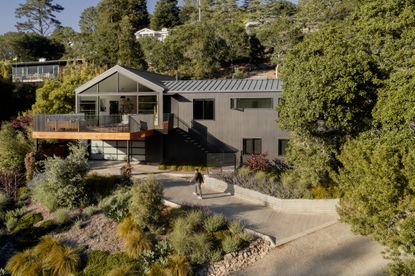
{"type": "Point", "coordinates": [108, 26]}
{"type": "Point", "coordinates": [57, 96]}
{"type": "Point", "coordinates": [146, 203]}
{"type": "Point", "coordinates": [13, 148]}
{"type": "Point", "coordinates": [166, 15]}
{"type": "Point", "coordinates": [377, 180]}
{"type": "Point", "coordinates": [29, 46]}
{"type": "Point", "coordinates": [16, 98]}
{"type": "Point", "coordinates": [129, 53]}
{"type": "Point", "coordinates": [88, 20]}
{"type": "Point", "coordinates": [40, 16]}
{"type": "Point", "coordinates": [64, 181]}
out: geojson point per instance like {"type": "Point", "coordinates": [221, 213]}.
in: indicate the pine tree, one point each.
{"type": "Point", "coordinates": [40, 15]}
{"type": "Point", "coordinates": [166, 15]}
{"type": "Point", "coordinates": [129, 53]}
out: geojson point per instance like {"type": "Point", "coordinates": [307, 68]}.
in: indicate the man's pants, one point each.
{"type": "Point", "coordinates": [198, 188]}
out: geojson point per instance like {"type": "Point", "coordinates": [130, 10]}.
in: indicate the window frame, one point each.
{"type": "Point", "coordinates": [203, 110]}
{"type": "Point", "coordinates": [234, 103]}
{"type": "Point", "coordinates": [280, 152]}
{"type": "Point", "coordinates": [254, 150]}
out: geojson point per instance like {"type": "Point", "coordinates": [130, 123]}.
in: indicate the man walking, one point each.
{"type": "Point", "coordinates": [198, 180]}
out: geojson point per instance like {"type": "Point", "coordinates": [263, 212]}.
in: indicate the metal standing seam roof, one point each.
{"type": "Point", "coordinates": [228, 85]}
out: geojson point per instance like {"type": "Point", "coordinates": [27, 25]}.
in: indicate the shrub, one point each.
{"type": "Point", "coordinates": [31, 162]}
{"type": "Point", "coordinates": [43, 195]}
{"type": "Point", "coordinates": [98, 187]}
{"type": "Point", "coordinates": [101, 263]}
{"type": "Point", "coordinates": [236, 228]}
{"type": "Point", "coordinates": [62, 216]}
{"type": "Point", "coordinates": [13, 148]}
{"type": "Point", "coordinates": [231, 243]}
{"type": "Point", "coordinates": [63, 183]}
{"type": "Point", "coordinates": [180, 235]}
{"type": "Point", "coordinates": [257, 162]}
{"type": "Point", "coordinates": [146, 203]}
{"type": "Point", "coordinates": [11, 223]}
{"type": "Point", "coordinates": [49, 257]}
{"type": "Point", "coordinates": [215, 255]}
{"type": "Point", "coordinates": [62, 260]}
{"type": "Point", "coordinates": [124, 270]}
{"type": "Point", "coordinates": [194, 219]}
{"type": "Point", "coordinates": [126, 172]}
{"type": "Point", "coordinates": [159, 254]}
{"type": "Point", "coordinates": [27, 221]}
{"type": "Point", "coordinates": [91, 210]}
{"type": "Point", "coordinates": [214, 223]}
{"type": "Point", "coordinates": [4, 200]}
{"type": "Point", "coordinates": [200, 248]}
{"type": "Point", "coordinates": [136, 241]}
{"type": "Point", "coordinates": [10, 182]}
{"type": "Point", "coordinates": [24, 263]}
{"type": "Point", "coordinates": [116, 205]}
{"type": "Point", "coordinates": [178, 265]}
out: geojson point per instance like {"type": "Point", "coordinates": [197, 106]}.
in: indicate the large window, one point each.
{"type": "Point", "coordinates": [147, 104]}
{"type": "Point", "coordinates": [252, 146]}
{"type": "Point", "coordinates": [242, 103]}
{"type": "Point", "coordinates": [282, 146]}
{"type": "Point", "coordinates": [204, 109]}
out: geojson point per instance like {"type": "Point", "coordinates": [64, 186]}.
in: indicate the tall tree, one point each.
{"type": "Point", "coordinates": [129, 53]}
{"type": "Point", "coordinates": [29, 46]}
{"type": "Point", "coordinates": [166, 15]}
{"type": "Point", "coordinates": [40, 16]}
{"type": "Point", "coordinates": [88, 20]}
{"type": "Point", "coordinates": [109, 21]}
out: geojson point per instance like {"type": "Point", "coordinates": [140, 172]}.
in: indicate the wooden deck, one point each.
{"type": "Point", "coordinates": [67, 135]}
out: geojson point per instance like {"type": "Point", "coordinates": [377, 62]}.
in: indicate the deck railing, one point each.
{"type": "Point", "coordinates": [92, 123]}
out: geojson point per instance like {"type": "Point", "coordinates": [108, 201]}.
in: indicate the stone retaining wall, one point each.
{"type": "Point", "coordinates": [327, 206]}
{"type": "Point", "coordinates": [237, 260]}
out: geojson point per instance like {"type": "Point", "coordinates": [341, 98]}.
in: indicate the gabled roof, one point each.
{"type": "Point", "coordinates": [144, 30]}
{"type": "Point", "coordinates": [227, 85]}
{"type": "Point", "coordinates": [151, 80]}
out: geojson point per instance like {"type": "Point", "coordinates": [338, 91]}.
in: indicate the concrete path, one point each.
{"type": "Point", "coordinates": [308, 244]}
{"type": "Point", "coordinates": [334, 250]}
{"type": "Point", "coordinates": [281, 226]}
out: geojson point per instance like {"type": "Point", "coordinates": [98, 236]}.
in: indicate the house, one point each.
{"type": "Point", "coordinates": [126, 114]}
{"type": "Point", "coordinates": [39, 71]}
{"type": "Point", "coordinates": [146, 32]}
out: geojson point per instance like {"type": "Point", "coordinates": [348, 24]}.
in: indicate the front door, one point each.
{"type": "Point", "coordinates": [114, 108]}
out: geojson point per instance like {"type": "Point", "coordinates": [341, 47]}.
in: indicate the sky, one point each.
{"type": "Point", "coordinates": [69, 16]}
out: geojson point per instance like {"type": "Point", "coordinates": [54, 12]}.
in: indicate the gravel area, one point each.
{"type": "Point", "coordinates": [97, 233]}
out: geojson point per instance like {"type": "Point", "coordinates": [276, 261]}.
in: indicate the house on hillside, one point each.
{"type": "Point", "coordinates": [146, 32]}
{"type": "Point", "coordinates": [39, 71]}
{"type": "Point", "coordinates": [126, 114]}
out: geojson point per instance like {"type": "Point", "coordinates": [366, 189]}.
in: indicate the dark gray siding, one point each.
{"type": "Point", "coordinates": [231, 126]}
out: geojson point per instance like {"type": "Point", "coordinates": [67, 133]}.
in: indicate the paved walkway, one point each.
{"type": "Point", "coordinates": [281, 226]}
{"type": "Point", "coordinates": [308, 244]}
{"type": "Point", "coordinates": [334, 250]}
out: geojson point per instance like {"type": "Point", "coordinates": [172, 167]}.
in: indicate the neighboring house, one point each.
{"type": "Point", "coordinates": [38, 71]}
{"type": "Point", "coordinates": [146, 32]}
{"type": "Point", "coordinates": [128, 114]}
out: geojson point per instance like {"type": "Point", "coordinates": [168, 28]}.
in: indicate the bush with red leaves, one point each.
{"type": "Point", "coordinates": [257, 162]}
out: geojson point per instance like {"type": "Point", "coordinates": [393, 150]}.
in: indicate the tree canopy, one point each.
{"type": "Point", "coordinates": [166, 15]}
{"type": "Point", "coordinates": [40, 16]}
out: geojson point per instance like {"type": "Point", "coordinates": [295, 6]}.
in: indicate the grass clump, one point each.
{"type": "Point", "coordinates": [62, 216]}
{"type": "Point", "coordinates": [214, 223]}
{"type": "Point", "coordinates": [49, 257]}
{"type": "Point", "coordinates": [231, 243]}
{"type": "Point", "coordinates": [102, 263]}
{"type": "Point", "coordinates": [115, 206]}
{"type": "Point", "coordinates": [90, 210]}
{"type": "Point", "coordinates": [24, 263]}
{"type": "Point", "coordinates": [136, 241]}
{"type": "Point", "coordinates": [146, 203]}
